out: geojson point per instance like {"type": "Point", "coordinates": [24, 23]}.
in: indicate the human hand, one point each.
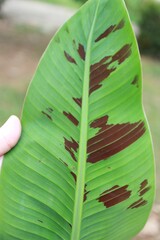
{"type": "Point", "coordinates": [10, 133]}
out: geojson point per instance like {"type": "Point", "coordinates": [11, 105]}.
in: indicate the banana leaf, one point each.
{"type": "Point", "coordinates": [84, 167]}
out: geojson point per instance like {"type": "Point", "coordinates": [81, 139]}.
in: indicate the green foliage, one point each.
{"type": "Point", "coordinates": [149, 39]}
{"type": "Point", "coordinates": [85, 163]}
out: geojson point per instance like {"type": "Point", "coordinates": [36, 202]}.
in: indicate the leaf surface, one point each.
{"type": "Point", "coordinates": [84, 166]}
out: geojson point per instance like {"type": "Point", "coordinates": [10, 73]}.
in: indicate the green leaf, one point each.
{"type": "Point", "coordinates": [84, 166]}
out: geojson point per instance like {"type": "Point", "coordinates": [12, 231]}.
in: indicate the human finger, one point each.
{"type": "Point", "coordinates": [9, 134]}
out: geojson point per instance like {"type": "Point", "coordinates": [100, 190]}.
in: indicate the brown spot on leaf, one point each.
{"type": "Point", "coordinates": [63, 162]}
{"type": "Point", "coordinates": [144, 188]}
{"type": "Point", "coordinates": [102, 70]}
{"type": "Point", "coordinates": [112, 28]}
{"type": "Point", "coordinates": [71, 118]}
{"type": "Point", "coordinates": [136, 81]}
{"type": "Point", "coordinates": [47, 115]}
{"type": "Point", "coordinates": [78, 101]}
{"type": "Point", "coordinates": [69, 58]}
{"type": "Point", "coordinates": [100, 123]}
{"type": "Point", "coordinates": [111, 139]}
{"type": "Point", "coordinates": [74, 176]}
{"type": "Point", "coordinates": [114, 196]}
{"type": "Point", "coordinates": [143, 184]}
{"type": "Point", "coordinates": [120, 25]}
{"type": "Point", "coordinates": [71, 146]}
{"type": "Point", "coordinates": [85, 193]}
{"type": "Point", "coordinates": [106, 33]}
{"type": "Point", "coordinates": [81, 52]}
{"type": "Point", "coordinates": [144, 191]}
{"type": "Point", "coordinates": [122, 54]}
{"type": "Point", "coordinates": [141, 202]}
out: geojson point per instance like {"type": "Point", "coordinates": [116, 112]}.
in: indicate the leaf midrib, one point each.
{"type": "Point", "coordinates": [81, 170]}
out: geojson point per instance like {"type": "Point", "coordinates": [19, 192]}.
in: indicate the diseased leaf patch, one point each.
{"type": "Point", "coordinates": [109, 140]}
{"type": "Point", "coordinates": [71, 146]}
{"type": "Point", "coordinates": [117, 194]}
{"type": "Point", "coordinates": [102, 70]}
{"type": "Point", "coordinates": [75, 179]}
{"type": "Point", "coordinates": [114, 196]}
{"type": "Point", "coordinates": [140, 203]}
{"type": "Point", "coordinates": [112, 139]}
{"type": "Point", "coordinates": [78, 101]}
{"type": "Point", "coordinates": [144, 188]}
{"type": "Point", "coordinates": [81, 52]}
{"type": "Point", "coordinates": [71, 118]}
{"type": "Point", "coordinates": [112, 28]}
{"type": "Point", "coordinates": [48, 113]}
{"type": "Point", "coordinates": [74, 176]}
{"type": "Point", "coordinates": [69, 58]}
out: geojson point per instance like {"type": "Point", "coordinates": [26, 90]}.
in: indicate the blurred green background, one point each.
{"type": "Point", "coordinates": [21, 47]}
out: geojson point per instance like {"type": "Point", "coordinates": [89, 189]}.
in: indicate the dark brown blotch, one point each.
{"type": "Point", "coordinates": [112, 138]}
{"type": "Point", "coordinates": [81, 52]}
{"type": "Point", "coordinates": [143, 184]}
{"type": "Point", "coordinates": [100, 123]}
{"type": "Point", "coordinates": [78, 101]}
{"type": "Point", "coordinates": [71, 118]}
{"type": "Point", "coordinates": [120, 25]}
{"type": "Point", "coordinates": [85, 193]}
{"type": "Point", "coordinates": [74, 176]}
{"type": "Point", "coordinates": [102, 70]}
{"type": "Point", "coordinates": [47, 115]}
{"type": "Point", "coordinates": [69, 58]}
{"type": "Point", "coordinates": [144, 188]}
{"type": "Point", "coordinates": [71, 146]}
{"type": "Point", "coordinates": [62, 161]}
{"type": "Point", "coordinates": [141, 202]}
{"type": "Point", "coordinates": [110, 29]}
{"type": "Point", "coordinates": [99, 72]}
{"type": "Point", "coordinates": [122, 54]}
{"type": "Point", "coordinates": [106, 33]}
{"type": "Point", "coordinates": [114, 196]}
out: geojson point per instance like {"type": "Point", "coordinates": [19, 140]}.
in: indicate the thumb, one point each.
{"type": "Point", "coordinates": [1, 160]}
{"type": "Point", "coordinates": [9, 135]}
